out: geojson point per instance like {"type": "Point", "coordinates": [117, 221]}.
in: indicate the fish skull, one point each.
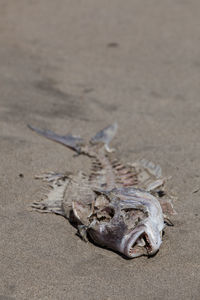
{"type": "Point", "coordinates": [134, 231]}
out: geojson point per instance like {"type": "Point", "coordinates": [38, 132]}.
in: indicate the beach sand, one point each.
{"type": "Point", "coordinates": [75, 67]}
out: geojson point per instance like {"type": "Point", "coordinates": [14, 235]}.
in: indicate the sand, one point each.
{"type": "Point", "coordinates": [77, 66]}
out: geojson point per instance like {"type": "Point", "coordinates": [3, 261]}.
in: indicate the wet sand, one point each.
{"type": "Point", "coordinates": [77, 66]}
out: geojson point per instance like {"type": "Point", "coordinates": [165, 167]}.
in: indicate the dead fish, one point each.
{"type": "Point", "coordinates": [123, 207]}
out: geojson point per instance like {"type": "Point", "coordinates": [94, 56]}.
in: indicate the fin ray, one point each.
{"type": "Point", "coordinates": [53, 201]}
{"type": "Point", "coordinates": [105, 135]}
{"type": "Point", "coordinates": [69, 140]}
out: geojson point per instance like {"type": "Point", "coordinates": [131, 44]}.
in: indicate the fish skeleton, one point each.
{"type": "Point", "coordinates": [123, 207]}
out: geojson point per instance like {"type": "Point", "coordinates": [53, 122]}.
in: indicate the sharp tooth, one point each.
{"type": "Point", "coordinates": [141, 242]}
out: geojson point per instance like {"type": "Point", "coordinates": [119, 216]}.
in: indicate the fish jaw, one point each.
{"type": "Point", "coordinates": [130, 244]}
{"type": "Point", "coordinates": [143, 240]}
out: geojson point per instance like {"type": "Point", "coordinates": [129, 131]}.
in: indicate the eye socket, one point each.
{"type": "Point", "coordinates": [110, 211]}
{"type": "Point", "coordinates": [102, 214]}
{"type": "Point", "coordinates": [160, 193]}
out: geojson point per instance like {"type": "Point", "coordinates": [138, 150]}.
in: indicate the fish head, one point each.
{"type": "Point", "coordinates": [120, 223]}
{"type": "Point", "coordinates": [130, 231]}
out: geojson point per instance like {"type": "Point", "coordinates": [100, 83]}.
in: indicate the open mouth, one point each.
{"type": "Point", "coordinates": [140, 246]}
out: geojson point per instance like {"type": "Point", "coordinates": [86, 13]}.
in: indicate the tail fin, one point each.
{"type": "Point", "coordinates": [70, 141]}
{"type": "Point", "coordinates": [75, 143]}
{"type": "Point", "coordinates": [105, 135]}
